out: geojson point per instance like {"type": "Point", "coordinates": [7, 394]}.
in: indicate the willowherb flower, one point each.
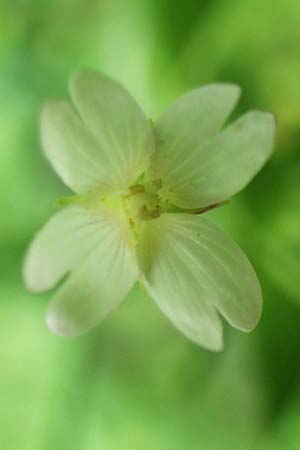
{"type": "Point", "coordinates": [140, 191]}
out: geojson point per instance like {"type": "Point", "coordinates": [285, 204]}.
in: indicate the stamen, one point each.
{"type": "Point", "coordinates": [136, 189]}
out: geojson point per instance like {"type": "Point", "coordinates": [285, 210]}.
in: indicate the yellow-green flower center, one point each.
{"type": "Point", "coordinates": [143, 202]}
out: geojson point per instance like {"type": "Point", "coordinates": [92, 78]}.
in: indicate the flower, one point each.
{"type": "Point", "coordinates": [140, 188]}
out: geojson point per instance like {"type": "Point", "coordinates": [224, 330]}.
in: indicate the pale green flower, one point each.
{"type": "Point", "coordinates": [140, 190]}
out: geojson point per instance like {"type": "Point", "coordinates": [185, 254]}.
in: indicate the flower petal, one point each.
{"type": "Point", "coordinates": [72, 150]}
{"type": "Point", "coordinates": [198, 166]}
{"type": "Point", "coordinates": [188, 123]}
{"type": "Point", "coordinates": [190, 268]}
{"type": "Point", "coordinates": [117, 122]}
{"type": "Point", "coordinates": [97, 285]}
{"type": "Point", "coordinates": [174, 287]}
{"type": "Point", "coordinates": [61, 245]}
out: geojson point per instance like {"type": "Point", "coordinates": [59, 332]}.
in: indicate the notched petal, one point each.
{"type": "Point", "coordinates": [199, 163]}
{"type": "Point", "coordinates": [59, 246]}
{"type": "Point", "coordinates": [174, 287]}
{"type": "Point", "coordinates": [191, 268]}
{"type": "Point", "coordinates": [97, 285]}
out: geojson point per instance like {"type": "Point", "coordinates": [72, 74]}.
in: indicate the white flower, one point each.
{"type": "Point", "coordinates": [140, 190]}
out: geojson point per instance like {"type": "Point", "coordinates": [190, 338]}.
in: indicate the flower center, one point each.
{"type": "Point", "coordinates": [143, 202]}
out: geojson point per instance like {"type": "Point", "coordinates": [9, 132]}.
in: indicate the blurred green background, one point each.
{"type": "Point", "coordinates": [134, 382]}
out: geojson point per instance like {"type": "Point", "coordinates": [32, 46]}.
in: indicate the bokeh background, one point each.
{"type": "Point", "coordinates": [134, 382]}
